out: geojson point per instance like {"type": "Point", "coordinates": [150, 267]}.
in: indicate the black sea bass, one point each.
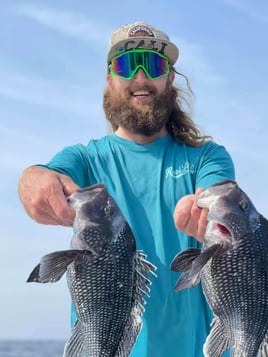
{"type": "Point", "coordinates": [107, 277]}
{"type": "Point", "coordinates": [233, 269]}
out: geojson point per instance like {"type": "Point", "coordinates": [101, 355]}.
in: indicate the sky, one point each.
{"type": "Point", "coordinates": [52, 76]}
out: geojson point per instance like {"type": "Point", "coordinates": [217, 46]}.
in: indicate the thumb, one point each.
{"type": "Point", "coordinates": [68, 185]}
{"type": "Point", "coordinates": [199, 190]}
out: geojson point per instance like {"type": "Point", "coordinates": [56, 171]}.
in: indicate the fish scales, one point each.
{"type": "Point", "coordinates": [240, 299]}
{"type": "Point", "coordinates": [111, 287]}
{"type": "Point", "coordinates": [234, 274]}
{"type": "Point", "coordinates": [106, 275]}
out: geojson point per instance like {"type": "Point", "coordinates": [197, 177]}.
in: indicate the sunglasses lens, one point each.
{"type": "Point", "coordinates": [156, 65]}
{"type": "Point", "coordinates": [122, 66]}
{"type": "Point", "coordinates": [152, 63]}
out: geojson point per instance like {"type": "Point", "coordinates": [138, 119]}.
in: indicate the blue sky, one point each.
{"type": "Point", "coordinates": [52, 75]}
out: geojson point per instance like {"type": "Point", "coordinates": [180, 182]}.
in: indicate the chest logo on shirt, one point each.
{"type": "Point", "coordinates": [186, 168]}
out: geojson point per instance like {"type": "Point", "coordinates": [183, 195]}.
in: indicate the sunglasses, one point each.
{"type": "Point", "coordinates": [125, 65]}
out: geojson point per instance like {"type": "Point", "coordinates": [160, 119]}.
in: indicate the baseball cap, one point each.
{"type": "Point", "coordinates": [140, 35]}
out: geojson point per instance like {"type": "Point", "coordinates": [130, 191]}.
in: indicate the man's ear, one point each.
{"type": "Point", "coordinates": [171, 76]}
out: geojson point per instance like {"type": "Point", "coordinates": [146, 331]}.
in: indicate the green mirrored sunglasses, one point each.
{"type": "Point", "coordinates": [125, 65]}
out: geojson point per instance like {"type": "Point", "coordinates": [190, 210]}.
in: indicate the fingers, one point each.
{"type": "Point", "coordinates": [68, 186]}
{"type": "Point", "coordinates": [189, 218]}
{"type": "Point", "coordinates": [201, 217]}
{"type": "Point", "coordinates": [182, 213]}
{"type": "Point", "coordinates": [202, 225]}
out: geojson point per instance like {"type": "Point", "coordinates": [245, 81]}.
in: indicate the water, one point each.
{"type": "Point", "coordinates": [32, 348]}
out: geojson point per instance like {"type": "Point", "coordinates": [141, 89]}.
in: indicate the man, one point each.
{"type": "Point", "coordinates": [154, 164]}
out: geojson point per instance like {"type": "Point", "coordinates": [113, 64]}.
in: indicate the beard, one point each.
{"type": "Point", "coordinates": [144, 118]}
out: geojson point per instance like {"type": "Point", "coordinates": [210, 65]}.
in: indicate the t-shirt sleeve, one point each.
{"type": "Point", "coordinates": [72, 161]}
{"type": "Point", "coordinates": [215, 165]}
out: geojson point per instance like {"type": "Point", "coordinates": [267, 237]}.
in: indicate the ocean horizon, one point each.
{"type": "Point", "coordinates": [31, 348]}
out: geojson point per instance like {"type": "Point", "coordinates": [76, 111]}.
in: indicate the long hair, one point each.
{"type": "Point", "coordinates": [180, 125]}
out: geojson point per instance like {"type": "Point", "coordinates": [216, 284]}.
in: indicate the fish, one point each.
{"type": "Point", "coordinates": [232, 267]}
{"type": "Point", "coordinates": [107, 276]}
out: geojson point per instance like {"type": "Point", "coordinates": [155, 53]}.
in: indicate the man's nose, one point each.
{"type": "Point", "coordinates": [140, 76]}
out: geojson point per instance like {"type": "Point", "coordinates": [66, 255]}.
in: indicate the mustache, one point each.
{"type": "Point", "coordinates": [136, 87]}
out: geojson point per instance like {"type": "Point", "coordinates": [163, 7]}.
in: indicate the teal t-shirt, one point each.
{"type": "Point", "coordinates": [147, 181]}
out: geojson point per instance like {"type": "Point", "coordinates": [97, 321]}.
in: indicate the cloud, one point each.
{"type": "Point", "coordinates": [67, 23]}
{"type": "Point", "coordinates": [257, 9]}
{"type": "Point", "coordinates": [195, 64]}
{"type": "Point", "coordinates": [48, 93]}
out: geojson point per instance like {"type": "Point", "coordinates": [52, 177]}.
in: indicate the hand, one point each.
{"type": "Point", "coordinates": [43, 194]}
{"type": "Point", "coordinates": [189, 218]}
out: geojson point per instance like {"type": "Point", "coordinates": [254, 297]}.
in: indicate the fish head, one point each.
{"type": "Point", "coordinates": [231, 214]}
{"type": "Point", "coordinates": [98, 218]}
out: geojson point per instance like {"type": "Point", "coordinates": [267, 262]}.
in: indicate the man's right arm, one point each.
{"type": "Point", "coordinates": [43, 194]}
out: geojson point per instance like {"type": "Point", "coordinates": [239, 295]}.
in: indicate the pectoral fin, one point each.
{"type": "Point", "coordinates": [191, 262]}
{"type": "Point", "coordinates": [184, 260]}
{"type": "Point", "coordinates": [52, 266]}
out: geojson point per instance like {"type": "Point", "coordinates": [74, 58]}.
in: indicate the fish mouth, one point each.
{"type": "Point", "coordinates": [98, 188]}
{"type": "Point", "coordinates": [83, 193]}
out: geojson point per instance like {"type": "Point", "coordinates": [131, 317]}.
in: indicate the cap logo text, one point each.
{"type": "Point", "coordinates": [139, 30]}
{"type": "Point", "coordinates": [144, 44]}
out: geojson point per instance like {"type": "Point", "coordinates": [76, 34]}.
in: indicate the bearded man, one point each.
{"type": "Point", "coordinates": [154, 163]}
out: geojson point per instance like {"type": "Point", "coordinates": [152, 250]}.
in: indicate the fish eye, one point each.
{"type": "Point", "coordinates": [108, 210]}
{"type": "Point", "coordinates": [243, 205]}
